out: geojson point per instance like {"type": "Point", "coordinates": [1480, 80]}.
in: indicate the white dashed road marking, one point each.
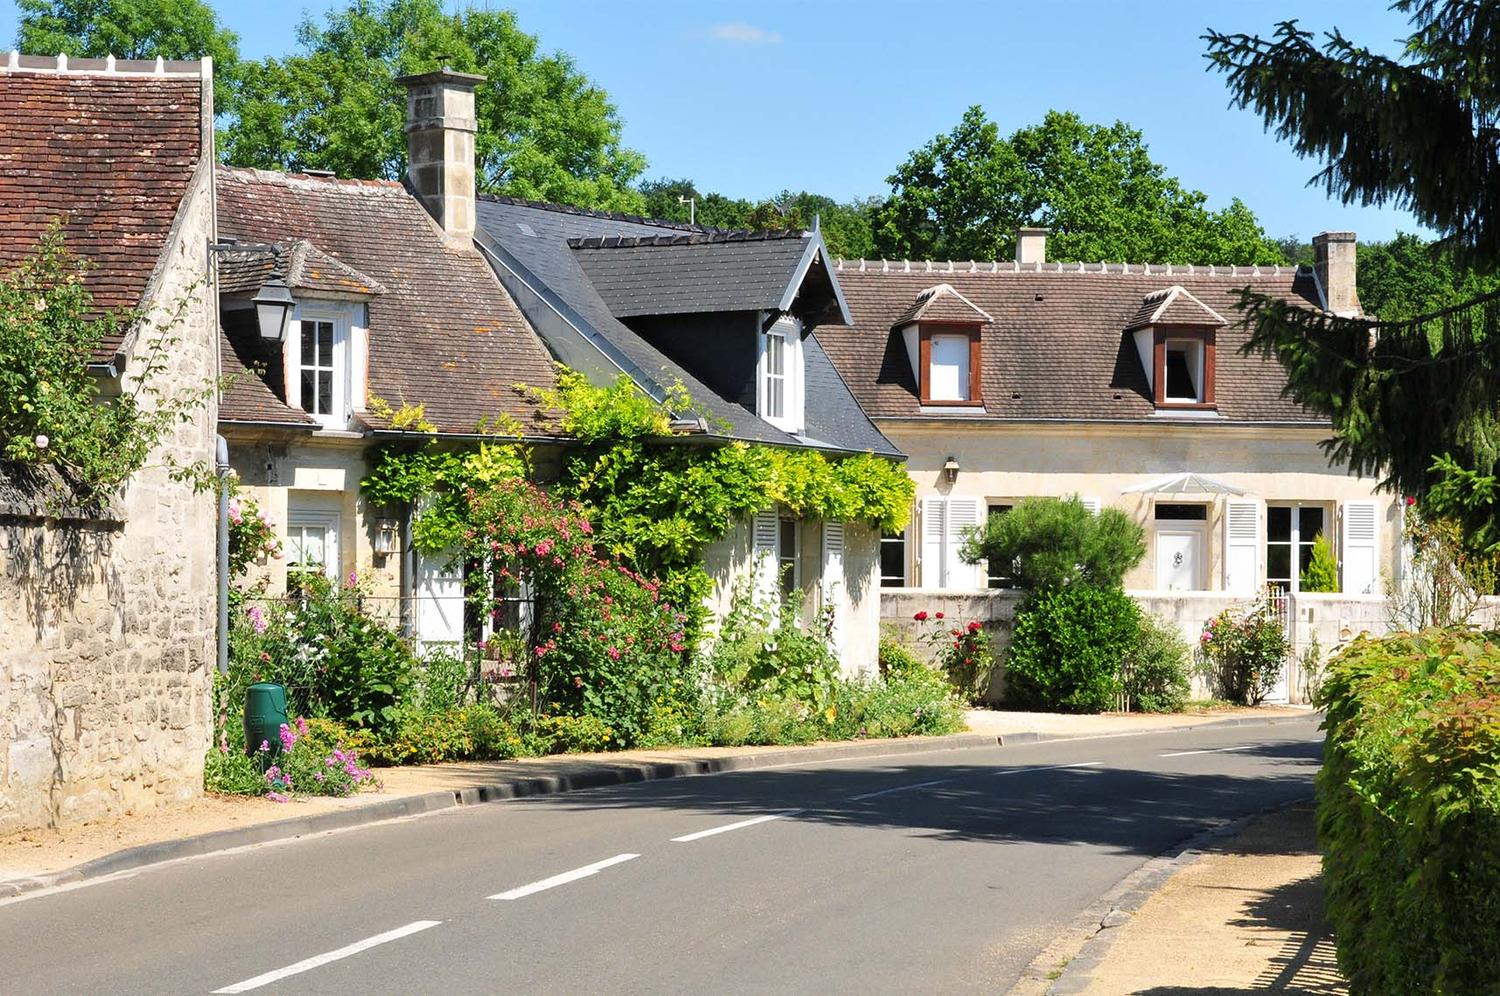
{"type": "Point", "coordinates": [686, 838]}
{"type": "Point", "coordinates": [564, 878]}
{"type": "Point", "coordinates": [1214, 750]}
{"type": "Point", "coordinates": [323, 959]}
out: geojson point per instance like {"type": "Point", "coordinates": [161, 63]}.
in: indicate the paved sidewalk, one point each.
{"type": "Point", "coordinates": [31, 859]}
{"type": "Point", "coordinates": [1246, 917]}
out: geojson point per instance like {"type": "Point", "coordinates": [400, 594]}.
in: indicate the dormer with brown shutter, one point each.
{"type": "Point", "coordinates": [1176, 335]}
{"type": "Point", "coordinates": [943, 331]}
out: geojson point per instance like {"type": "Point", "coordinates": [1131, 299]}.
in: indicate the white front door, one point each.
{"type": "Point", "coordinates": [1179, 556]}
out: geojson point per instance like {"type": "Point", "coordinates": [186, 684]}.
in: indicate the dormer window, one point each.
{"type": "Point", "coordinates": [1176, 335]}
{"type": "Point", "coordinates": [949, 362]}
{"type": "Point", "coordinates": [320, 361]}
{"type": "Point", "coordinates": [779, 381]}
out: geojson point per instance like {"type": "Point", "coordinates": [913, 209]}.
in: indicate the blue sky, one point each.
{"type": "Point", "coordinates": [749, 99]}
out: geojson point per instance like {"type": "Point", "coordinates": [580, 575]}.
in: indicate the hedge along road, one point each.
{"type": "Point", "coordinates": [939, 872]}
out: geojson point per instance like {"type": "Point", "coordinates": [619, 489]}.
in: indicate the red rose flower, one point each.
{"type": "Point", "coordinates": [921, 616]}
{"type": "Point", "coordinates": [938, 615]}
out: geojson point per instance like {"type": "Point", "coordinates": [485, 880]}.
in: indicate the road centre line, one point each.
{"type": "Point", "coordinates": [899, 788]}
{"type": "Point", "coordinates": [323, 959]}
{"type": "Point", "coordinates": [563, 879]}
{"type": "Point", "coordinates": [688, 838]}
{"type": "Point", "coordinates": [1211, 750]}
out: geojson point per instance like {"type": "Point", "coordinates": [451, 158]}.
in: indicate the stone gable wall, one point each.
{"type": "Point", "coordinates": [107, 626]}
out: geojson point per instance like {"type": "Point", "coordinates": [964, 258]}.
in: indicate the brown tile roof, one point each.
{"type": "Point", "coordinates": [1058, 346]}
{"type": "Point", "coordinates": [111, 154]}
{"type": "Point", "coordinates": [252, 364]}
{"type": "Point", "coordinates": [1175, 306]}
{"type": "Point", "coordinates": [300, 263]}
{"type": "Point", "coordinates": [444, 333]}
{"type": "Point", "coordinates": [941, 303]}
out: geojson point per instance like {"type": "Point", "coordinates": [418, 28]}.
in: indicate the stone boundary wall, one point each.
{"type": "Point", "coordinates": [1330, 620]}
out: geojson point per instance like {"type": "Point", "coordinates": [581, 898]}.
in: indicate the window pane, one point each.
{"type": "Point", "coordinates": [775, 355]}
{"type": "Point", "coordinates": [1180, 375]}
{"type": "Point", "coordinates": [1182, 512]}
{"type": "Point", "coordinates": [1304, 557]}
{"type": "Point", "coordinates": [1278, 524]}
{"type": "Point", "coordinates": [893, 560]}
{"type": "Point", "coordinates": [775, 387]}
{"type": "Point", "coordinates": [948, 374]}
{"type": "Point", "coordinates": [1310, 523]}
{"type": "Point", "coordinates": [325, 344]}
{"type": "Point", "coordinates": [309, 344]}
{"type": "Point", "coordinates": [1278, 562]}
{"type": "Point", "coordinates": [325, 393]}
{"type": "Point", "coordinates": [309, 393]}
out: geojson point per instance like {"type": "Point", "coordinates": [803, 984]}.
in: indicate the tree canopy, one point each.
{"type": "Point", "coordinates": [964, 194]}
{"type": "Point", "coordinates": [845, 225]}
{"type": "Point", "coordinates": [546, 131]}
{"type": "Point", "coordinates": [1413, 398]}
{"type": "Point", "coordinates": [1056, 543]}
{"type": "Point", "coordinates": [134, 29]}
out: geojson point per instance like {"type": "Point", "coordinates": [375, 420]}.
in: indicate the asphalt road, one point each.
{"type": "Point", "coordinates": [933, 873]}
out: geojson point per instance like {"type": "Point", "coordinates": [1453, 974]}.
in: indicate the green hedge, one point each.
{"type": "Point", "coordinates": [1067, 646]}
{"type": "Point", "coordinates": [1409, 812]}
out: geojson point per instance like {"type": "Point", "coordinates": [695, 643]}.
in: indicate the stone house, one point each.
{"type": "Point", "coordinates": [1125, 386]}
{"type": "Point", "coordinates": [427, 293]}
{"type": "Point", "coordinates": [108, 617]}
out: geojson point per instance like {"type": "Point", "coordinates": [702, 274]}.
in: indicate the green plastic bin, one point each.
{"type": "Point", "coordinates": [265, 712]}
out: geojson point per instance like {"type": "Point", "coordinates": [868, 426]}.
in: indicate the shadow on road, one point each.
{"type": "Point", "coordinates": [1129, 811]}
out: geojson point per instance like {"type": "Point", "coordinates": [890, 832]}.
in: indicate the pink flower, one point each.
{"type": "Point", "coordinates": [577, 682]}
{"type": "Point", "coordinates": [277, 797]}
{"type": "Point", "coordinates": [353, 578]}
{"type": "Point", "coordinates": [614, 653]}
{"type": "Point", "coordinates": [288, 738]}
{"type": "Point", "coordinates": [257, 618]}
{"type": "Point", "coordinates": [301, 726]}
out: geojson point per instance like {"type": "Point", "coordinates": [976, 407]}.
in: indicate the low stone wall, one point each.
{"type": "Point", "coordinates": [1327, 621]}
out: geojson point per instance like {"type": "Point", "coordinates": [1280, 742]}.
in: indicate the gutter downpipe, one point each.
{"type": "Point", "coordinates": [221, 469]}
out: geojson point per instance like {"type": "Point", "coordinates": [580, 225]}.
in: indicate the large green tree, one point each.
{"type": "Point", "coordinates": [1415, 398]}
{"type": "Point", "coordinates": [134, 29]}
{"type": "Point", "coordinates": [964, 194]}
{"type": "Point", "coordinates": [845, 224]}
{"type": "Point", "coordinates": [546, 131]}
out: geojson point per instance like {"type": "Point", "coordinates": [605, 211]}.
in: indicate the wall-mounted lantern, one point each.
{"type": "Point", "coordinates": [950, 470]}
{"type": "Point", "coordinates": [273, 308]}
{"type": "Point", "coordinates": [387, 537]}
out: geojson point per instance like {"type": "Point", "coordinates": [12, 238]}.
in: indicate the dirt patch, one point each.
{"type": "Point", "coordinates": [1246, 918]}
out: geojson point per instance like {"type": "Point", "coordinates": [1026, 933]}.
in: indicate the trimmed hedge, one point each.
{"type": "Point", "coordinates": [1409, 811]}
{"type": "Point", "coordinates": [1066, 649]}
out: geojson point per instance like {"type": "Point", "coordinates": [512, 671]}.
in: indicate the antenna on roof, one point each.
{"type": "Point", "coordinates": [692, 203]}
{"type": "Point", "coordinates": [817, 222]}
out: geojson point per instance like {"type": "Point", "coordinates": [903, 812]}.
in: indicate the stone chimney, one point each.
{"type": "Point", "coordinates": [440, 128]}
{"type": "Point", "coordinates": [1031, 245]}
{"type": "Point", "coordinates": [1333, 259]}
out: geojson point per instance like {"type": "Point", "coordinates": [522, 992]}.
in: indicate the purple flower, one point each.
{"type": "Point", "coordinates": [353, 578]}
{"type": "Point", "coordinates": [257, 618]}
{"type": "Point", "coordinates": [277, 797]}
{"type": "Point", "coordinates": [288, 738]}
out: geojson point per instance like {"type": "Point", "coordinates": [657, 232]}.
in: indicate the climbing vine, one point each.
{"type": "Point", "coordinates": [655, 500]}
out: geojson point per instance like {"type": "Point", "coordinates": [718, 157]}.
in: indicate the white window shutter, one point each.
{"type": "Point", "coordinates": [439, 591]}
{"type": "Point", "coordinates": [964, 515]}
{"type": "Point", "coordinates": [1360, 548]}
{"type": "Point", "coordinates": [765, 532]}
{"type": "Point", "coordinates": [1242, 547]}
{"type": "Point", "coordinates": [934, 528]}
{"type": "Point", "coordinates": [1092, 504]}
{"type": "Point", "coordinates": [833, 582]}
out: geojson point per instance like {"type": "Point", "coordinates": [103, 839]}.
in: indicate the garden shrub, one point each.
{"type": "Point", "coordinates": [1067, 647]}
{"type": "Point", "coordinates": [574, 734]}
{"type": "Point", "coordinates": [919, 702]}
{"type": "Point", "coordinates": [1155, 676]}
{"type": "Point", "coordinates": [475, 732]}
{"type": "Point", "coordinates": [896, 660]}
{"type": "Point", "coordinates": [1058, 542]}
{"type": "Point", "coordinates": [306, 764]}
{"type": "Point", "coordinates": [1409, 811]}
{"type": "Point", "coordinates": [1244, 651]}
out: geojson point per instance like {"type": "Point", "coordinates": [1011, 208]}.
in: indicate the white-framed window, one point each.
{"type": "Point", "coordinates": [779, 377]}
{"type": "Point", "coordinates": [319, 363]}
{"type": "Point", "coordinates": [1291, 531]}
{"type": "Point", "coordinates": [1184, 371]}
{"type": "Point", "coordinates": [946, 524]}
{"type": "Point", "coordinates": [777, 553]}
{"type": "Point", "coordinates": [312, 542]}
{"type": "Point", "coordinates": [893, 559]}
{"type": "Point", "coordinates": [948, 368]}
{"type": "Point", "coordinates": [789, 555]}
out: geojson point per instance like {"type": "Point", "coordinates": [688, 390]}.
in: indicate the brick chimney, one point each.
{"type": "Point", "coordinates": [1333, 259]}
{"type": "Point", "coordinates": [1031, 245]}
{"type": "Point", "coordinates": [440, 128]}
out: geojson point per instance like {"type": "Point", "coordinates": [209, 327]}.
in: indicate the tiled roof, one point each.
{"type": "Point", "coordinates": [1058, 347]}
{"type": "Point", "coordinates": [111, 154]}
{"type": "Point", "coordinates": [301, 264]}
{"type": "Point", "coordinates": [444, 333]}
{"type": "Point", "coordinates": [252, 364]}
{"type": "Point", "coordinates": [537, 238]}
{"type": "Point", "coordinates": [1175, 306]}
{"type": "Point", "coordinates": [690, 274]}
{"type": "Point", "coordinates": [941, 303]}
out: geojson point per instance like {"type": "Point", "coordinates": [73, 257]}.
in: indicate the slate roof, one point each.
{"type": "Point", "coordinates": [1175, 306]}
{"type": "Point", "coordinates": [301, 264]}
{"type": "Point", "coordinates": [683, 275]}
{"type": "Point", "coordinates": [1058, 346]}
{"type": "Point", "coordinates": [534, 243]}
{"type": "Point", "coordinates": [444, 333]}
{"type": "Point", "coordinates": [111, 154]}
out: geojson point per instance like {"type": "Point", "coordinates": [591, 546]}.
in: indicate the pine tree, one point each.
{"type": "Point", "coordinates": [1414, 401]}
{"type": "Point", "coordinates": [1322, 572]}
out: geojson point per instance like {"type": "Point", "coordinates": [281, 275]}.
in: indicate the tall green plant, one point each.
{"type": "Point", "coordinates": [1322, 572]}
{"type": "Point", "coordinates": [1056, 543]}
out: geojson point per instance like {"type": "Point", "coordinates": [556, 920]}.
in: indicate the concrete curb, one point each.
{"type": "Point", "coordinates": [607, 773]}
{"type": "Point", "coordinates": [1085, 943]}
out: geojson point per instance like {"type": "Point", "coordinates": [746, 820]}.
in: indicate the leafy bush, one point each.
{"type": "Point", "coordinates": [963, 653]}
{"type": "Point", "coordinates": [475, 732]}
{"type": "Point", "coordinates": [896, 659]}
{"type": "Point", "coordinates": [1409, 811]}
{"type": "Point", "coordinates": [1155, 676]}
{"type": "Point", "coordinates": [574, 734]}
{"type": "Point", "coordinates": [918, 702]}
{"type": "Point", "coordinates": [762, 651]}
{"type": "Point", "coordinates": [1322, 572]}
{"type": "Point", "coordinates": [1244, 651]}
{"type": "Point", "coordinates": [444, 681]}
{"type": "Point", "coordinates": [1057, 542]}
{"type": "Point", "coordinates": [1067, 647]}
{"type": "Point", "coordinates": [306, 764]}
{"type": "Point", "coordinates": [336, 661]}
